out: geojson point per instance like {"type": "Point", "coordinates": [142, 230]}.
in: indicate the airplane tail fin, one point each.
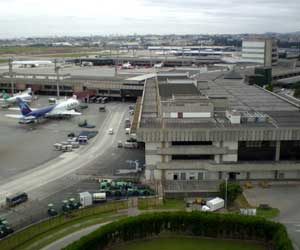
{"type": "Point", "coordinates": [23, 106]}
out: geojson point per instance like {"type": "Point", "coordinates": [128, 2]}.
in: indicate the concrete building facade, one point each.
{"type": "Point", "coordinates": [261, 51]}
{"type": "Point", "coordinates": [228, 129]}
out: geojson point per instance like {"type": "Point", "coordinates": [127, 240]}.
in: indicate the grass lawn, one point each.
{"type": "Point", "coordinates": [267, 213]}
{"type": "Point", "coordinates": [184, 243]}
{"type": "Point", "coordinates": [60, 232]}
{"type": "Point", "coordinates": [241, 202]}
{"type": "Point", "coordinates": [39, 230]}
{"type": "Point", "coordinates": [145, 204]}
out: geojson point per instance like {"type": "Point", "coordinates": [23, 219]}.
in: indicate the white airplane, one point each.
{"type": "Point", "coordinates": [31, 63]}
{"type": "Point", "coordinates": [231, 60]}
{"type": "Point", "coordinates": [127, 66]}
{"type": "Point", "coordinates": [26, 96]}
{"type": "Point", "coordinates": [158, 65]}
{"type": "Point", "coordinates": [62, 109]}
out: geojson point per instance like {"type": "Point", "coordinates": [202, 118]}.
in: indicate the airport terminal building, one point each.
{"type": "Point", "coordinates": [199, 132]}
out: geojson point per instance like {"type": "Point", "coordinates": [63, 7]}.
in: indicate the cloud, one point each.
{"type": "Point", "coordinates": [74, 17]}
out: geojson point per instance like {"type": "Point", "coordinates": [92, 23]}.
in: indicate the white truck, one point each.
{"type": "Point", "coordinates": [99, 197]}
{"type": "Point", "coordinates": [215, 204]}
{"type": "Point", "coordinates": [86, 199]}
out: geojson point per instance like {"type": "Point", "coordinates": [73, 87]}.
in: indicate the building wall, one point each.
{"type": "Point", "coordinates": [233, 146]}
{"type": "Point", "coordinates": [260, 51]}
{"type": "Point", "coordinates": [193, 175]}
{"type": "Point", "coordinates": [153, 158]}
{"type": "Point", "coordinates": [254, 51]}
{"type": "Point", "coordinates": [262, 175]}
{"type": "Point", "coordinates": [268, 53]}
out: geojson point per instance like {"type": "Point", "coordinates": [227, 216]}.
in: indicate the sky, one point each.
{"type": "Point", "coordinates": [23, 18]}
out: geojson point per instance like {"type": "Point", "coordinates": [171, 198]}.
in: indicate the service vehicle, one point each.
{"type": "Point", "coordinates": [16, 199]}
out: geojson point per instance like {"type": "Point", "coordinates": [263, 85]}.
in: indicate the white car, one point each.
{"type": "Point", "coordinates": [110, 131]}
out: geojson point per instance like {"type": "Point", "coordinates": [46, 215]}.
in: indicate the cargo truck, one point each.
{"type": "Point", "coordinates": [215, 204]}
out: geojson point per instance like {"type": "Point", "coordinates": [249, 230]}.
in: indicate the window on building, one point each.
{"type": "Point", "coordinates": [297, 144]}
{"type": "Point", "coordinates": [192, 157]}
{"type": "Point", "coordinates": [187, 143]}
{"type": "Point", "coordinates": [175, 176]}
{"type": "Point", "coordinates": [200, 176]}
{"type": "Point", "coordinates": [183, 176]}
{"type": "Point", "coordinates": [253, 144]}
{"type": "Point", "coordinates": [281, 176]}
{"type": "Point", "coordinates": [192, 176]}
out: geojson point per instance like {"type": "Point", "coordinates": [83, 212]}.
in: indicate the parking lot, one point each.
{"type": "Point", "coordinates": [286, 199]}
{"type": "Point", "coordinates": [69, 173]}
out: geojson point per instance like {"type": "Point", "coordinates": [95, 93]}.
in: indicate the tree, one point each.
{"type": "Point", "coordinates": [269, 87]}
{"type": "Point", "coordinates": [297, 93]}
{"type": "Point", "coordinates": [233, 190]}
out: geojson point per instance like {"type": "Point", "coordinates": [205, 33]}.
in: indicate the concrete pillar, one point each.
{"type": "Point", "coordinates": [277, 155]}
{"type": "Point", "coordinates": [233, 146]}
{"type": "Point", "coordinates": [168, 157]}
{"type": "Point", "coordinates": [217, 158]}
{"type": "Point", "coordinates": [157, 174]}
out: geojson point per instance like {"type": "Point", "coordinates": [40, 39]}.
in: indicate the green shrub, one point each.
{"type": "Point", "coordinates": [195, 223]}
{"type": "Point", "coordinates": [233, 191]}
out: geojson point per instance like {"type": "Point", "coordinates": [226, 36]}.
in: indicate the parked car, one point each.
{"type": "Point", "coordinates": [102, 109]}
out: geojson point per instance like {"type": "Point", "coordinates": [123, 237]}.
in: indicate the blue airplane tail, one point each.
{"type": "Point", "coordinates": [25, 110]}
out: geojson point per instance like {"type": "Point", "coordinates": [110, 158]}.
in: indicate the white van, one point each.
{"type": "Point", "coordinates": [110, 131]}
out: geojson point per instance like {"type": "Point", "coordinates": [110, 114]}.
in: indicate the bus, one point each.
{"type": "Point", "coordinates": [16, 199]}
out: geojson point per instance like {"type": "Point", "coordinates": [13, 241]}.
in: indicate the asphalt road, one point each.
{"type": "Point", "coordinates": [63, 242]}
{"type": "Point", "coordinates": [287, 200]}
{"type": "Point", "coordinates": [67, 163]}
{"type": "Point", "coordinates": [70, 173]}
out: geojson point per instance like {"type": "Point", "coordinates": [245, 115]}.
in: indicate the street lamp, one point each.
{"type": "Point", "coordinates": [56, 69]}
{"type": "Point", "coordinates": [10, 68]}
{"type": "Point", "coordinates": [226, 183]}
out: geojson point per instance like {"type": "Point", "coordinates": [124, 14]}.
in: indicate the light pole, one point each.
{"type": "Point", "coordinates": [56, 69]}
{"type": "Point", "coordinates": [10, 68]}
{"type": "Point", "coordinates": [226, 182]}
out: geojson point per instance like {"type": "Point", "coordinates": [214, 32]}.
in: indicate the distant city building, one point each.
{"type": "Point", "coordinates": [261, 51]}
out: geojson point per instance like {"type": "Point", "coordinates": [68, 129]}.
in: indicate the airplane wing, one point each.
{"type": "Point", "coordinates": [69, 112]}
{"type": "Point", "coordinates": [14, 116]}
{"type": "Point", "coordinates": [18, 109]}
{"type": "Point", "coordinates": [28, 118]}
{"type": "Point", "coordinates": [63, 113]}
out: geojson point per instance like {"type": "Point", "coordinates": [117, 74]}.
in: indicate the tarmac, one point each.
{"type": "Point", "coordinates": [50, 177]}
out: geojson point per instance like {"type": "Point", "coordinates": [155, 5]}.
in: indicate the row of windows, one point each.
{"type": "Point", "coordinates": [260, 144]}
{"type": "Point", "coordinates": [191, 176]}
{"type": "Point", "coordinates": [271, 144]}
{"type": "Point", "coordinates": [187, 143]}
{"type": "Point", "coordinates": [254, 52]}
{"type": "Point", "coordinates": [250, 47]}
{"type": "Point", "coordinates": [60, 87]}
